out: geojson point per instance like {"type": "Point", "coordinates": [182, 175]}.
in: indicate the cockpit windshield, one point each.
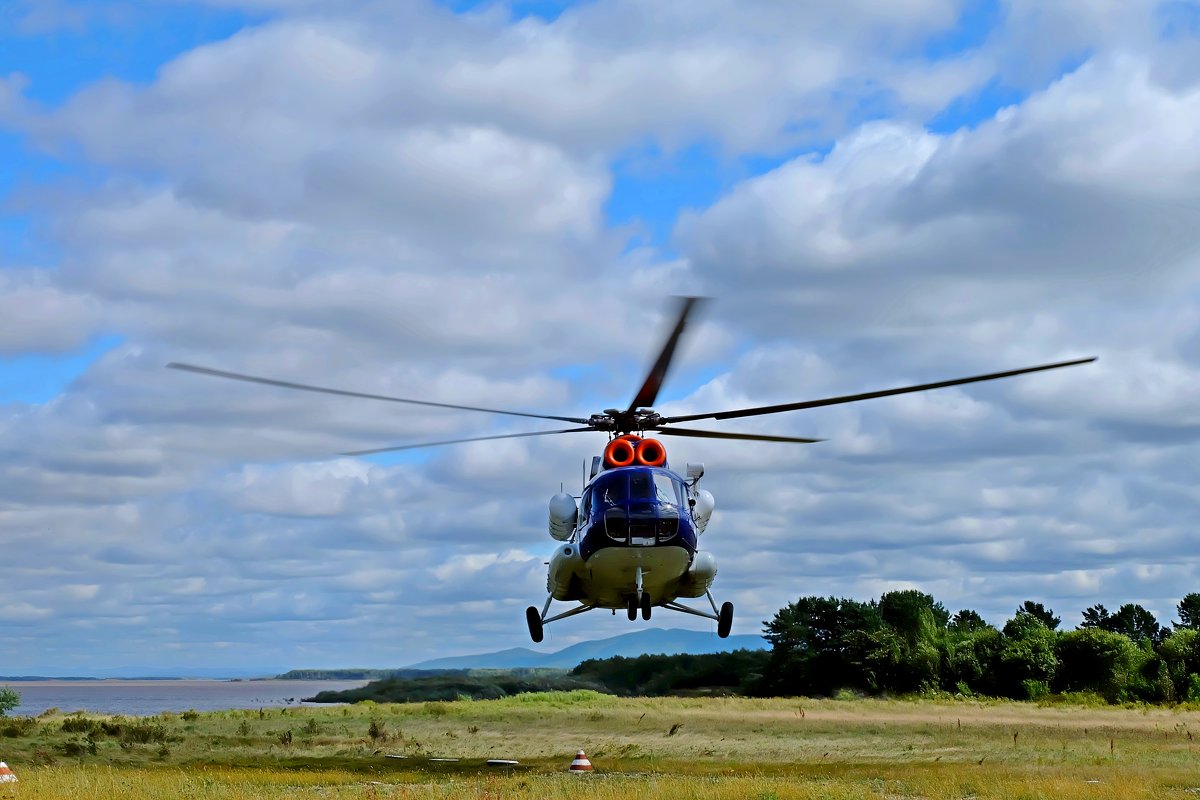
{"type": "Point", "coordinates": [638, 505]}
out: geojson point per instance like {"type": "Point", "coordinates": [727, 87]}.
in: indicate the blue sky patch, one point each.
{"type": "Point", "coordinates": [548, 10]}
{"type": "Point", "coordinates": [37, 378]}
{"type": "Point", "coordinates": [1179, 18]}
{"type": "Point", "coordinates": [968, 111]}
{"type": "Point", "coordinates": [651, 187]}
{"type": "Point", "coordinates": [975, 23]}
{"type": "Point", "coordinates": [130, 46]}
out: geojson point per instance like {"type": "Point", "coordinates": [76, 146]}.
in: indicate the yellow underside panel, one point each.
{"type": "Point", "coordinates": [610, 577]}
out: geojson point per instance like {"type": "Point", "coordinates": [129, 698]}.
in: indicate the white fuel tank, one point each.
{"type": "Point", "coordinates": [699, 576]}
{"type": "Point", "coordinates": [563, 516]}
{"type": "Point", "coordinates": [565, 564]}
{"type": "Point", "coordinates": [702, 509]}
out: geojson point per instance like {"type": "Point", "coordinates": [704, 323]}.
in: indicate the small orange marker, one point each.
{"type": "Point", "coordinates": [581, 763]}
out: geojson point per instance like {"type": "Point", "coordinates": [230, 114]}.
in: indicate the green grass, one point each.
{"type": "Point", "coordinates": [672, 748]}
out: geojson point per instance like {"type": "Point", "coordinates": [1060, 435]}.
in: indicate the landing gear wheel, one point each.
{"type": "Point", "coordinates": [646, 606]}
{"type": "Point", "coordinates": [725, 620]}
{"type": "Point", "coordinates": [632, 608]}
{"type": "Point", "coordinates": [534, 618]}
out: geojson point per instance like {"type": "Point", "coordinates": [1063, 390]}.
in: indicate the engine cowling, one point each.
{"type": "Point", "coordinates": [564, 515]}
{"type": "Point", "coordinates": [702, 509]}
{"type": "Point", "coordinates": [699, 576]}
{"type": "Point", "coordinates": [566, 567]}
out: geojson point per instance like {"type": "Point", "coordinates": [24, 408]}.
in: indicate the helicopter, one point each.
{"type": "Point", "coordinates": [630, 540]}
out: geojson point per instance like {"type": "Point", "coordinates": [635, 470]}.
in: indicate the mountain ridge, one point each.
{"type": "Point", "coordinates": [652, 641]}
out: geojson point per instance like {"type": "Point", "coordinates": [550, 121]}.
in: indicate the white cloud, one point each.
{"type": "Point", "coordinates": [412, 203]}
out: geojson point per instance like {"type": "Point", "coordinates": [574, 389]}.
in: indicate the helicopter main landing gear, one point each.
{"type": "Point", "coordinates": [534, 620]}
{"type": "Point", "coordinates": [538, 620]}
{"type": "Point", "coordinates": [725, 620]}
{"type": "Point", "coordinates": [723, 616]}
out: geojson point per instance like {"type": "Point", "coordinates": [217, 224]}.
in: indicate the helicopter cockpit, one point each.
{"type": "Point", "coordinates": [637, 506]}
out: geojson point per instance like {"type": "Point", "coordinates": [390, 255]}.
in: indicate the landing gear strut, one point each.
{"type": "Point", "coordinates": [538, 620]}
{"type": "Point", "coordinates": [639, 602]}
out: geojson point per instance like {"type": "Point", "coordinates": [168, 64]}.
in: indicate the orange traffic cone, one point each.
{"type": "Point", "coordinates": [581, 763]}
{"type": "Point", "coordinates": [8, 778]}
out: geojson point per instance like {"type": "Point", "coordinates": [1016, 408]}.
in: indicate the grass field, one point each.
{"type": "Point", "coordinates": [661, 748]}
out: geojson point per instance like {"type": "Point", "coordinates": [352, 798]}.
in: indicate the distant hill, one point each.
{"type": "Point", "coordinates": [352, 674]}
{"type": "Point", "coordinates": [653, 641]}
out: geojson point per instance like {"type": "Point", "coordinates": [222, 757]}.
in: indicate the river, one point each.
{"type": "Point", "coordinates": [143, 698]}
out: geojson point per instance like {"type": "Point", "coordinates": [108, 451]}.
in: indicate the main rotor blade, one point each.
{"type": "Point", "coordinates": [752, 437]}
{"type": "Point", "coordinates": [853, 398]}
{"type": "Point", "coordinates": [658, 373]}
{"type": "Point", "coordinates": [237, 376]}
{"type": "Point", "coordinates": [460, 441]}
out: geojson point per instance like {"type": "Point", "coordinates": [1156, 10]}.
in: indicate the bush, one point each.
{"type": "Point", "coordinates": [1193, 692]}
{"type": "Point", "coordinates": [143, 733]}
{"type": "Point", "coordinates": [1035, 690]}
{"type": "Point", "coordinates": [9, 700]}
{"type": "Point", "coordinates": [19, 726]}
{"type": "Point", "coordinates": [80, 725]}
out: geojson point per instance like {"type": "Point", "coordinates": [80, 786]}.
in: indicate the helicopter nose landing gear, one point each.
{"type": "Point", "coordinates": [640, 599]}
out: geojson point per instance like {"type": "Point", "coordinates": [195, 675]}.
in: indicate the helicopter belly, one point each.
{"type": "Point", "coordinates": [610, 575]}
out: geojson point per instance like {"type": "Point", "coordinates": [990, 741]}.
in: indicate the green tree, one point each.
{"type": "Point", "coordinates": [1095, 660]}
{"type": "Point", "coordinates": [970, 656]}
{"type": "Point", "coordinates": [906, 655]}
{"type": "Point", "coordinates": [1189, 612]}
{"type": "Point", "coordinates": [968, 620]}
{"type": "Point", "coordinates": [1130, 620]}
{"type": "Point", "coordinates": [9, 700]}
{"type": "Point", "coordinates": [819, 645]}
{"type": "Point", "coordinates": [1041, 612]}
{"type": "Point", "coordinates": [1096, 616]}
{"type": "Point", "coordinates": [1137, 623]}
{"type": "Point", "coordinates": [906, 611]}
{"type": "Point", "coordinates": [1026, 655]}
{"type": "Point", "coordinates": [1180, 653]}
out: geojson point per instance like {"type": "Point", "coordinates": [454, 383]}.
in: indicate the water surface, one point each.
{"type": "Point", "coordinates": [150, 697]}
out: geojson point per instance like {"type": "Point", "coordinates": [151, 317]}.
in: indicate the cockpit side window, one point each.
{"type": "Point", "coordinates": [666, 489]}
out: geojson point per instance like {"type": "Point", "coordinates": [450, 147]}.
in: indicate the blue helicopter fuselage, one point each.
{"type": "Point", "coordinates": [635, 507]}
{"type": "Point", "coordinates": [635, 536]}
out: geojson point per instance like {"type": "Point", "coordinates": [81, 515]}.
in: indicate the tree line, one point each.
{"type": "Point", "coordinates": [908, 642]}
{"type": "Point", "coordinates": [905, 642]}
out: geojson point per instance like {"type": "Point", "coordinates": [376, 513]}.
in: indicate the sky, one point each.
{"type": "Point", "coordinates": [490, 203]}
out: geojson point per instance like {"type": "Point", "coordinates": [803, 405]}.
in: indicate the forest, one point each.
{"type": "Point", "coordinates": [903, 643]}
{"type": "Point", "coordinates": [907, 642]}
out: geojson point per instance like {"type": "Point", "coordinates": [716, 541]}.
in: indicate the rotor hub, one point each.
{"type": "Point", "coordinates": [615, 421]}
